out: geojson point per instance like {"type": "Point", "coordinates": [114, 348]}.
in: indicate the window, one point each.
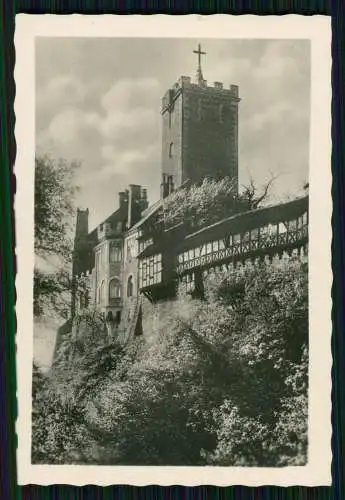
{"type": "Point", "coordinates": [130, 286]}
{"type": "Point", "coordinates": [115, 289]}
{"type": "Point", "coordinates": [171, 149]}
{"type": "Point", "coordinates": [102, 257]}
{"type": "Point", "coordinates": [272, 229]}
{"type": "Point", "coordinates": [98, 261]}
{"type": "Point", "coordinates": [109, 316]}
{"type": "Point", "coordinates": [246, 237]}
{"type": "Point", "coordinates": [190, 283]}
{"type": "Point", "coordinates": [129, 251]}
{"type": "Point", "coordinates": [254, 234]}
{"type": "Point", "coordinates": [292, 225]}
{"type": "Point", "coordinates": [150, 272]}
{"type": "Point", "coordinates": [282, 228]}
{"type": "Point", "coordinates": [115, 253]}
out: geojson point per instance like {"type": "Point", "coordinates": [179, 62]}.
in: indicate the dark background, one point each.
{"type": "Point", "coordinates": [8, 9]}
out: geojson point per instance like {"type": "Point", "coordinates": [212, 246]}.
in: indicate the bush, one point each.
{"type": "Point", "coordinates": [225, 382]}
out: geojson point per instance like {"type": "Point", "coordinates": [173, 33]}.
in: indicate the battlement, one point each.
{"type": "Point", "coordinates": [185, 84]}
{"type": "Point", "coordinates": [107, 230]}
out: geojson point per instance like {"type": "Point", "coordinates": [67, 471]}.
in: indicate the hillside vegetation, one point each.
{"type": "Point", "coordinates": [225, 382]}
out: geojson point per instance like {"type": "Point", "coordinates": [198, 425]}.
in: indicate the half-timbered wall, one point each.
{"type": "Point", "coordinates": [150, 270]}
{"type": "Point", "coordinates": [230, 246]}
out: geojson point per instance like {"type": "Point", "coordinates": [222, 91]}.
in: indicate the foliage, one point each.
{"type": "Point", "coordinates": [198, 205]}
{"type": "Point", "coordinates": [266, 320]}
{"type": "Point", "coordinates": [224, 382]}
{"type": "Point", "coordinates": [59, 432]}
{"type": "Point", "coordinates": [54, 195]}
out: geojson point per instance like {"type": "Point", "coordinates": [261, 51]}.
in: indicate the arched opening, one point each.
{"type": "Point", "coordinates": [115, 289]}
{"type": "Point", "coordinates": [130, 286]}
{"type": "Point", "coordinates": [171, 149]}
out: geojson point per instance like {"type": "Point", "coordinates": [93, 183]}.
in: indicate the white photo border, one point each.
{"type": "Point", "coordinates": [318, 30]}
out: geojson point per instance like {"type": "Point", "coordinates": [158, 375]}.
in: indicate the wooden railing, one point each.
{"type": "Point", "coordinates": [245, 248]}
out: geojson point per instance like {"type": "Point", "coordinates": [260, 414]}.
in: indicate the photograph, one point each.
{"type": "Point", "coordinates": [171, 280]}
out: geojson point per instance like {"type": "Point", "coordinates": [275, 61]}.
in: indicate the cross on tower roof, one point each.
{"type": "Point", "coordinates": [200, 78]}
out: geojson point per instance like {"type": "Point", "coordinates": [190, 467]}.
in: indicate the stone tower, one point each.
{"type": "Point", "coordinates": [200, 130]}
{"type": "Point", "coordinates": [81, 251]}
{"type": "Point", "coordinates": [81, 246]}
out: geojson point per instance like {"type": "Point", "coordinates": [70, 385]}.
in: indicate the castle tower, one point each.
{"type": "Point", "coordinates": [81, 251]}
{"type": "Point", "coordinates": [80, 239]}
{"type": "Point", "coordinates": [200, 129]}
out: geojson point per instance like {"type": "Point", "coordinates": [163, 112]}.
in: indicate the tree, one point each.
{"type": "Point", "coordinates": [223, 379]}
{"type": "Point", "coordinates": [224, 383]}
{"type": "Point", "coordinates": [212, 200]}
{"type": "Point", "coordinates": [54, 206]}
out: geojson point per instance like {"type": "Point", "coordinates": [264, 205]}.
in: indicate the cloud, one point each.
{"type": "Point", "coordinates": [99, 100]}
{"type": "Point", "coordinates": [131, 93]}
{"type": "Point", "coordinates": [61, 92]}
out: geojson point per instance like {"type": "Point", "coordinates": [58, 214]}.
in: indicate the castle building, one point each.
{"type": "Point", "coordinates": [199, 130]}
{"type": "Point", "coordinates": [131, 255]}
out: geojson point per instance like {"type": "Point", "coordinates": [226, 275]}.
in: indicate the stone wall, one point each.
{"type": "Point", "coordinates": [157, 317]}
{"type": "Point", "coordinates": [172, 142]}
{"type": "Point", "coordinates": [210, 134]}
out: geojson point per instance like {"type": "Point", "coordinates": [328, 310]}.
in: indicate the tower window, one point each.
{"type": "Point", "coordinates": [171, 147]}
{"type": "Point", "coordinates": [115, 289]}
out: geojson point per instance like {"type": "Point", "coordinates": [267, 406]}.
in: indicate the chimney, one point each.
{"type": "Point", "coordinates": [164, 186]}
{"type": "Point", "coordinates": [144, 201]}
{"type": "Point", "coordinates": [123, 198]}
{"type": "Point", "coordinates": [82, 224]}
{"type": "Point", "coordinates": [134, 209]}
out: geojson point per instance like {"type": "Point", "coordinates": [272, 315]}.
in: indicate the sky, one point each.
{"type": "Point", "coordinates": [98, 101]}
